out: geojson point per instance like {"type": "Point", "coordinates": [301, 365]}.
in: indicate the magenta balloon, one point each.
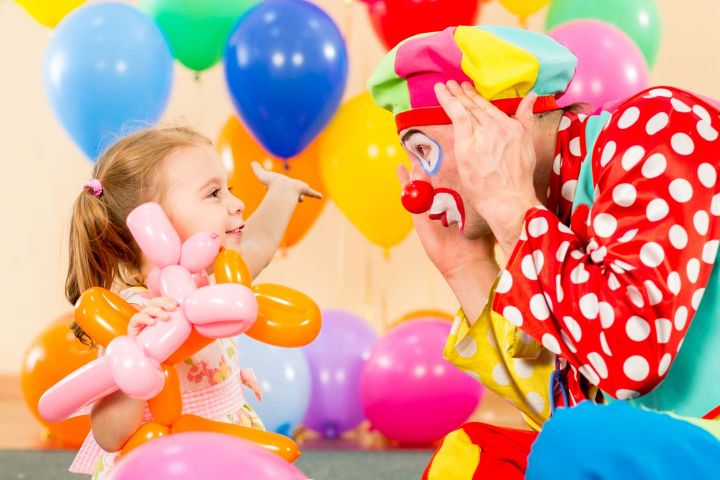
{"type": "Point", "coordinates": [610, 65]}
{"type": "Point", "coordinates": [409, 392]}
{"type": "Point", "coordinates": [203, 455]}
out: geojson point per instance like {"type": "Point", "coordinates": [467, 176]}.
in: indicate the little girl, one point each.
{"type": "Point", "coordinates": [179, 169]}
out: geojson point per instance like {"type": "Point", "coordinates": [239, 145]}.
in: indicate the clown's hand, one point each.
{"type": "Point", "coordinates": [467, 265]}
{"type": "Point", "coordinates": [278, 180]}
{"type": "Point", "coordinates": [495, 155]}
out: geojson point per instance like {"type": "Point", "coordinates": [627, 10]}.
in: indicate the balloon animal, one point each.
{"type": "Point", "coordinates": [142, 366]}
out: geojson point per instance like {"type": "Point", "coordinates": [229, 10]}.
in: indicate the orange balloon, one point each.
{"type": "Point", "coordinates": [239, 149]}
{"type": "Point", "coordinates": [103, 315]}
{"type": "Point", "coordinates": [194, 343]}
{"type": "Point", "coordinates": [229, 267]}
{"type": "Point", "coordinates": [432, 313]}
{"type": "Point", "coordinates": [166, 406]}
{"type": "Point", "coordinates": [51, 356]}
{"type": "Point", "coordinates": [147, 431]}
{"type": "Point", "coordinates": [286, 317]}
{"type": "Point", "coordinates": [278, 444]}
{"type": "Point", "coordinates": [426, 313]}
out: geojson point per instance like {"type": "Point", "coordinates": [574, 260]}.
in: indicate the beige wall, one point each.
{"type": "Point", "coordinates": [41, 172]}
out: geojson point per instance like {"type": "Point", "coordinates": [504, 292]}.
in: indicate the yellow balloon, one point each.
{"type": "Point", "coordinates": [524, 8]}
{"type": "Point", "coordinates": [360, 152]}
{"type": "Point", "coordinates": [49, 12]}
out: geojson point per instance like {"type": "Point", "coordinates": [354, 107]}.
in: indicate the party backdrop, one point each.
{"type": "Point", "coordinates": [338, 260]}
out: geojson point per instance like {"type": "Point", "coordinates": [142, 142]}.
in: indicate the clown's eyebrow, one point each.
{"type": "Point", "coordinates": [409, 134]}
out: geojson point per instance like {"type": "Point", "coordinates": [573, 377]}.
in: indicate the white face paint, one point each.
{"type": "Point", "coordinates": [425, 149]}
{"type": "Point", "coordinates": [445, 208]}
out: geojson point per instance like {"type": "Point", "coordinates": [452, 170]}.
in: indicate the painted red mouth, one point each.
{"type": "Point", "coordinates": [458, 203]}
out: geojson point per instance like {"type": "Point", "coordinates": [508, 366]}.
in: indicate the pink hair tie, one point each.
{"type": "Point", "coordinates": [95, 186]}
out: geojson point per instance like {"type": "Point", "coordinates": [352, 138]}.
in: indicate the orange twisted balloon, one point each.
{"type": "Point", "coordinates": [286, 318]}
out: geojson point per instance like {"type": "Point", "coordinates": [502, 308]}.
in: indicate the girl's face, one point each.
{"type": "Point", "coordinates": [197, 198]}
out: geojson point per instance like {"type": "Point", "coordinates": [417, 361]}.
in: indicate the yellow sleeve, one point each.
{"type": "Point", "coordinates": [501, 357]}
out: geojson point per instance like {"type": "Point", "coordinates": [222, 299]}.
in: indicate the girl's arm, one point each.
{"type": "Point", "coordinates": [265, 228]}
{"type": "Point", "coordinates": [116, 417]}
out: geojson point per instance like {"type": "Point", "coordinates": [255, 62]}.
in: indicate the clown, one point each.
{"type": "Point", "coordinates": [610, 226]}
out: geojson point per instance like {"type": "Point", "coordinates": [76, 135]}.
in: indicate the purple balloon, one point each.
{"type": "Point", "coordinates": [203, 455]}
{"type": "Point", "coordinates": [610, 65]}
{"type": "Point", "coordinates": [336, 358]}
{"type": "Point", "coordinates": [410, 392]}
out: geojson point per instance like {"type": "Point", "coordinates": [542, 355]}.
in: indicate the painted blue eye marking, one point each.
{"type": "Point", "coordinates": [432, 164]}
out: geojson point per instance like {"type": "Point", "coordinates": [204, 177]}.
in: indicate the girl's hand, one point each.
{"type": "Point", "coordinates": [248, 378]}
{"type": "Point", "coordinates": [159, 308]}
{"type": "Point", "coordinates": [278, 180]}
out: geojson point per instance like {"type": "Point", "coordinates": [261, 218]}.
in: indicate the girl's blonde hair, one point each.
{"type": "Point", "coordinates": [102, 250]}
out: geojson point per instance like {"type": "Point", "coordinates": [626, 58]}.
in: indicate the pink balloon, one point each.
{"type": "Point", "coordinates": [176, 282]}
{"type": "Point", "coordinates": [615, 104]}
{"type": "Point", "coordinates": [199, 251]}
{"type": "Point", "coordinates": [135, 373]}
{"type": "Point", "coordinates": [714, 103]}
{"type": "Point", "coordinates": [155, 235]}
{"type": "Point", "coordinates": [610, 65]}
{"type": "Point", "coordinates": [153, 281]}
{"type": "Point", "coordinates": [224, 310]}
{"type": "Point", "coordinates": [409, 392]}
{"type": "Point", "coordinates": [132, 364]}
{"type": "Point", "coordinates": [201, 279]}
{"type": "Point", "coordinates": [159, 341]}
{"type": "Point", "coordinates": [85, 385]}
{"type": "Point", "coordinates": [211, 456]}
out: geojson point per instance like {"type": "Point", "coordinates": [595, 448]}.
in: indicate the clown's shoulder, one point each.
{"type": "Point", "coordinates": [653, 118]}
{"type": "Point", "coordinates": [505, 360]}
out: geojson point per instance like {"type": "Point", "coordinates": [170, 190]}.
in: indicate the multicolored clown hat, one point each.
{"type": "Point", "coordinates": [504, 64]}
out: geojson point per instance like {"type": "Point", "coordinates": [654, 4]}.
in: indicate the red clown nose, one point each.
{"type": "Point", "coordinates": [417, 197]}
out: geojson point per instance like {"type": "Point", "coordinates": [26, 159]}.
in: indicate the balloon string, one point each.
{"type": "Point", "coordinates": [348, 20]}
{"type": "Point", "coordinates": [368, 283]}
{"type": "Point", "coordinates": [198, 100]}
{"type": "Point", "coordinates": [430, 286]}
{"type": "Point", "coordinates": [384, 292]}
{"type": "Point", "coordinates": [341, 264]}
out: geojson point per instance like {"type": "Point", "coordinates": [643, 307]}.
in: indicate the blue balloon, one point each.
{"type": "Point", "coordinates": [286, 68]}
{"type": "Point", "coordinates": [284, 376]}
{"type": "Point", "coordinates": [107, 65]}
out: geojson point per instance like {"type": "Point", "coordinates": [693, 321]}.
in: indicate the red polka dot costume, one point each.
{"type": "Point", "coordinates": [612, 288]}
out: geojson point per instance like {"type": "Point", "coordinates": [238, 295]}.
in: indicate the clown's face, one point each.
{"type": "Point", "coordinates": [431, 151]}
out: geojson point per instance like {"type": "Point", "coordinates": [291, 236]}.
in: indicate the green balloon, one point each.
{"type": "Point", "coordinates": [640, 19]}
{"type": "Point", "coordinates": [197, 29]}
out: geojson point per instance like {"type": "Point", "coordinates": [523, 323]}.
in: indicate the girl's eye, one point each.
{"type": "Point", "coordinates": [421, 151]}
{"type": "Point", "coordinates": [215, 193]}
